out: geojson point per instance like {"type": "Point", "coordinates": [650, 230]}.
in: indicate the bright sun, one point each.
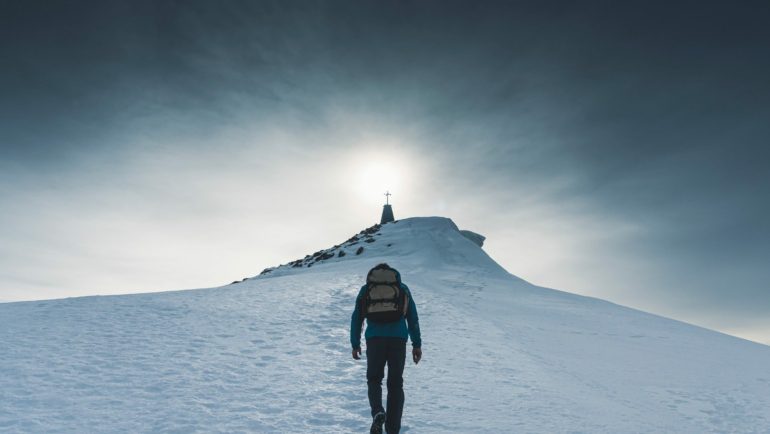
{"type": "Point", "coordinates": [377, 177]}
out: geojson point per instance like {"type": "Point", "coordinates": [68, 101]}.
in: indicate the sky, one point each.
{"type": "Point", "coordinates": [612, 149]}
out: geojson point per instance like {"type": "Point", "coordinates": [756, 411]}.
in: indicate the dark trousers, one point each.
{"type": "Point", "coordinates": [390, 351]}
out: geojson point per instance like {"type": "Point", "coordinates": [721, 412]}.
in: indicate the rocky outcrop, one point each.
{"type": "Point", "coordinates": [368, 235]}
{"type": "Point", "coordinates": [353, 247]}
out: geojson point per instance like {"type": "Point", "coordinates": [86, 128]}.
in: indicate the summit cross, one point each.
{"type": "Point", "coordinates": [387, 196]}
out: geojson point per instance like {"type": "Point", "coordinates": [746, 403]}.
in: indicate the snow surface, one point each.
{"type": "Point", "coordinates": [271, 355]}
{"type": "Point", "coordinates": [473, 236]}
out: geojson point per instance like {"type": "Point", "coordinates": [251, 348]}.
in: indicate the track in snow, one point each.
{"type": "Point", "coordinates": [271, 355]}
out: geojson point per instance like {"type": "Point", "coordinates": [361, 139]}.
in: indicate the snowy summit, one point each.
{"type": "Point", "coordinates": [270, 354]}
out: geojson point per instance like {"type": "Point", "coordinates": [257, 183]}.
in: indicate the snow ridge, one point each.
{"type": "Point", "coordinates": [271, 355]}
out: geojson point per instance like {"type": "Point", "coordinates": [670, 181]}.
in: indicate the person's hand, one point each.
{"type": "Point", "coordinates": [357, 353]}
{"type": "Point", "coordinates": [416, 355]}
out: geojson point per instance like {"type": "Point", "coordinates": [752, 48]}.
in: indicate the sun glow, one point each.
{"type": "Point", "coordinates": [380, 170]}
{"type": "Point", "coordinates": [376, 178]}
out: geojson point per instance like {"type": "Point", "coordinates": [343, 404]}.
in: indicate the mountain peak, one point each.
{"type": "Point", "coordinates": [514, 356]}
{"type": "Point", "coordinates": [424, 241]}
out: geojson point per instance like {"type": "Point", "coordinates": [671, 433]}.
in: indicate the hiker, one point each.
{"type": "Point", "coordinates": [387, 305]}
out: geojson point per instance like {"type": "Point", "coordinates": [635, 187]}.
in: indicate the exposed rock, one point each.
{"type": "Point", "coordinates": [367, 235]}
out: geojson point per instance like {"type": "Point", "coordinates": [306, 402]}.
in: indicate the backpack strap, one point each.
{"type": "Point", "coordinates": [405, 300]}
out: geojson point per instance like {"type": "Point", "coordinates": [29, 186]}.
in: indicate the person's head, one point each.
{"type": "Point", "coordinates": [382, 266]}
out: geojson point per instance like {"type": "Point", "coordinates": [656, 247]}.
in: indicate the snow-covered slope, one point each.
{"type": "Point", "coordinates": [271, 354]}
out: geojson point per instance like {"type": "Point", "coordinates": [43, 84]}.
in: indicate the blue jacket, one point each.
{"type": "Point", "coordinates": [398, 329]}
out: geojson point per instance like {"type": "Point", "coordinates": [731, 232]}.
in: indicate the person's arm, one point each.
{"type": "Point", "coordinates": [413, 323]}
{"type": "Point", "coordinates": [356, 324]}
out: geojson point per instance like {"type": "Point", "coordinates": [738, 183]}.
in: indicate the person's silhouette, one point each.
{"type": "Point", "coordinates": [391, 316]}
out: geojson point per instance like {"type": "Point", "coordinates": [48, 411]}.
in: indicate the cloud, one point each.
{"type": "Point", "coordinates": [615, 151]}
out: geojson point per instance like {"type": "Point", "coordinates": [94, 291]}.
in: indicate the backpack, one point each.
{"type": "Point", "coordinates": [384, 300]}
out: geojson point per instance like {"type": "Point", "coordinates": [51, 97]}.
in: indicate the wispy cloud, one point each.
{"type": "Point", "coordinates": [160, 146]}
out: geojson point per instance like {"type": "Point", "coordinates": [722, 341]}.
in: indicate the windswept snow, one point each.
{"type": "Point", "coordinates": [271, 355]}
{"type": "Point", "coordinates": [473, 236]}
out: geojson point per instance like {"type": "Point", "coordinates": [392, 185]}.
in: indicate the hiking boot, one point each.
{"type": "Point", "coordinates": [379, 419]}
